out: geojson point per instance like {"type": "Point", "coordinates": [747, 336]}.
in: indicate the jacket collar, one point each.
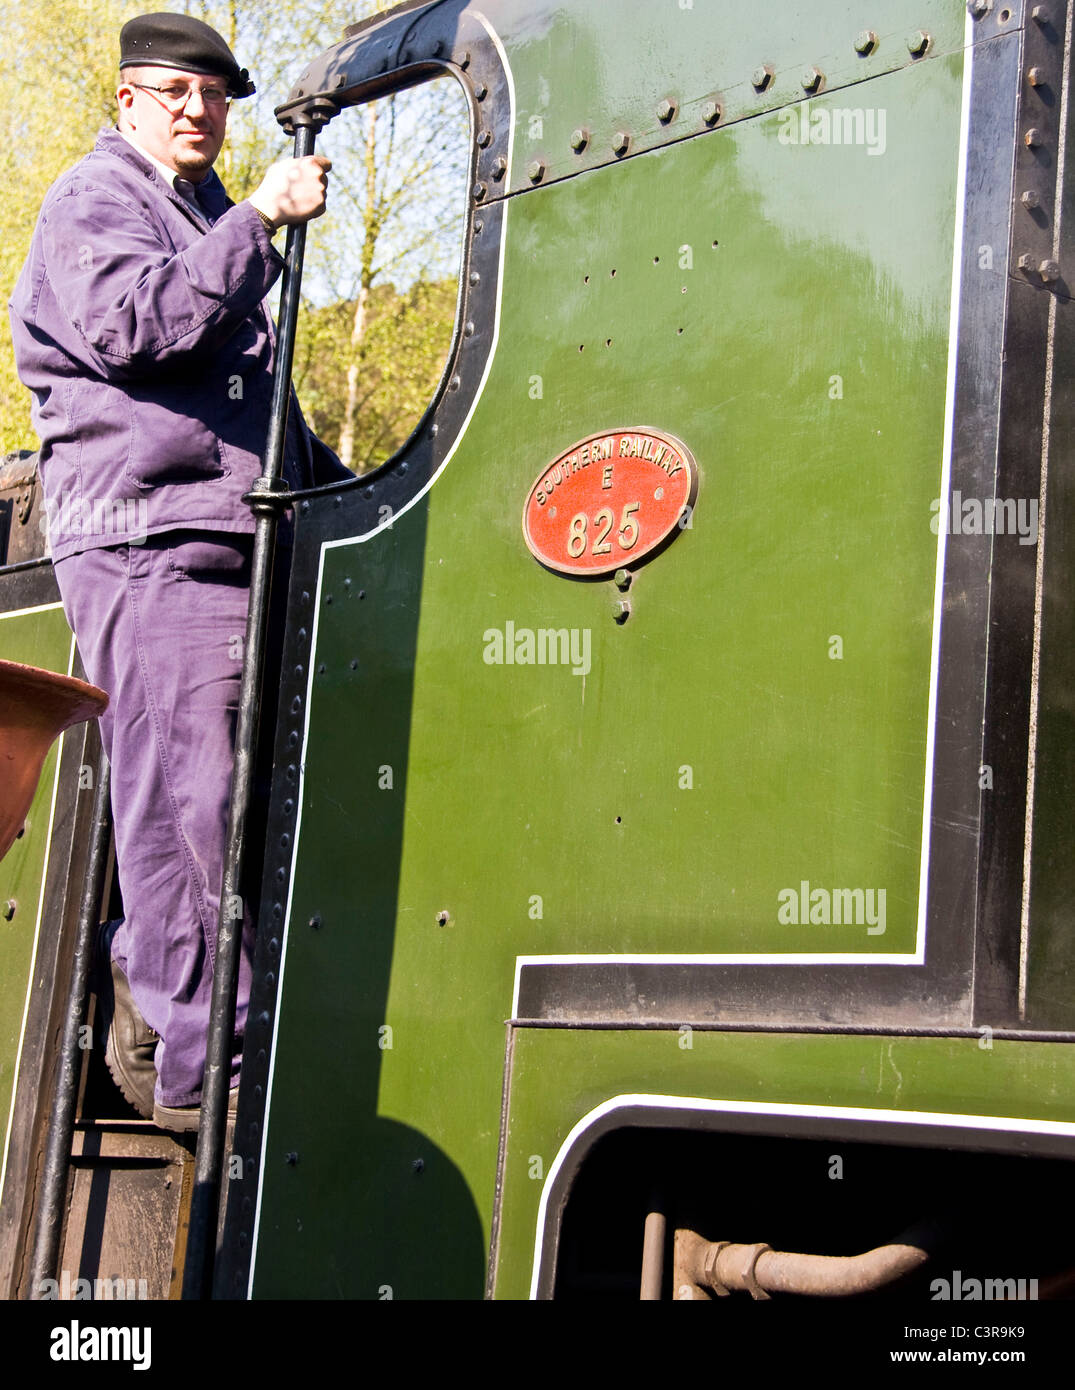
{"type": "Point", "coordinates": [110, 142]}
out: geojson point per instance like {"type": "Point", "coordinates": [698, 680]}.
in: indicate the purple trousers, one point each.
{"type": "Point", "coordinates": [160, 626]}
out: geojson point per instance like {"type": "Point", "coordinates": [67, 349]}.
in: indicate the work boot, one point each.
{"type": "Point", "coordinates": [185, 1118]}
{"type": "Point", "coordinates": [130, 1043]}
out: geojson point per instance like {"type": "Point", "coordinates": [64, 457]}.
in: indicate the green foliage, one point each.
{"type": "Point", "coordinates": [400, 362]}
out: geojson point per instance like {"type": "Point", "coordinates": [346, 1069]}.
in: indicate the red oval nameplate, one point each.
{"type": "Point", "coordinates": [609, 500]}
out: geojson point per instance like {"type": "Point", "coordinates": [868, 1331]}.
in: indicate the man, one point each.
{"type": "Point", "coordinates": [140, 329]}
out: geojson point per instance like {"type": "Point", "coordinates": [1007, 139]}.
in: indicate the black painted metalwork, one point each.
{"type": "Point", "coordinates": [266, 501]}
{"type": "Point", "coordinates": [53, 1202]}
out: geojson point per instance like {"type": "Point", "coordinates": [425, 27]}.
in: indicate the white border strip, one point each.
{"type": "Point", "coordinates": [22, 613]}
{"type": "Point", "coordinates": [918, 955]}
{"type": "Point", "coordinates": [360, 540]}
{"type": "Point", "coordinates": [1003, 1123]}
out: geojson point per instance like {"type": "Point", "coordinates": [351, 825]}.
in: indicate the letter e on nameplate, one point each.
{"type": "Point", "coordinates": [610, 501]}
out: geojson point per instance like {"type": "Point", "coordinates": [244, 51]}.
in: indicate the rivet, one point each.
{"type": "Point", "coordinates": [478, 224]}
{"type": "Point", "coordinates": [304, 508]}
{"type": "Point", "coordinates": [296, 704]}
{"type": "Point", "coordinates": [298, 672]}
{"type": "Point", "coordinates": [762, 76]}
{"type": "Point", "coordinates": [810, 79]}
{"type": "Point", "coordinates": [454, 384]}
{"type": "Point", "coordinates": [9, 909]}
{"type": "Point", "coordinates": [481, 91]}
{"type": "Point", "coordinates": [579, 140]}
{"type": "Point", "coordinates": [443, 917]}
{"type": "Point", "coordinates": [622, 143]}
{"type": "Point", "coordinates": [865, 41]}
{"type": "Point", "coordinates": [917, 42]}
{"type": "Point", "coordinates": [474, 277]}
{"type": "Point", "coordinates": [711, 112]}
{"type": "Point", "coordinates": [337, 501]}
{"type": "Point", "coordinates": [666, 110]}
{"type": "Point", "coordinates": [291, 1159]}
{"type": "Point", "coordinates": [1031, 198]}
{"type": "Point", "coordinates": [315, 922]}
{"type": "Point", "coordinates": [1032, 139]}
{"type": "Point", "coordinates": [1049, 270]}
{"type": "Point", "coordinates": [468, 329]}
{"type": "Point", "coordinates": [535, 170]}
{"type": "Point", "coordinates": [419, 1165]}
{"type": "Point", "coordinates": [1036, 77]}
{"type": "Point", "coordinates": [464, 60]}
{"type": "Point", "coordinates": [321, 669]}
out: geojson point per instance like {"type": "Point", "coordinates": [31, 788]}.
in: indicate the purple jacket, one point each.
{"type": "Point", "coordinates": [142, 334]}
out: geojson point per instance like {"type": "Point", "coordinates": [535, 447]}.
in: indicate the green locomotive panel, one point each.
{"type": "Point", "coordinates": [752, 740]}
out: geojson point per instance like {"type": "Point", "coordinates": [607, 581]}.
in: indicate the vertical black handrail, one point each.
{"type": "Point", "coordinates": [48, 1227]}
{"type": "Point", "coordinates": [210, 1157]}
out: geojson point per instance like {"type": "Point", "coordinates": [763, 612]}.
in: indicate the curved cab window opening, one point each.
{"type": "Point", "coordinates": [381, 281]}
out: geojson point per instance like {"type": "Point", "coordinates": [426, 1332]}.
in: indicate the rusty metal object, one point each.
{"type": "Point", "coordinates": [22, 532]}
{"type": "Point", "coordinates": [35, 708]}
{"type": "Point", "coordinates": [761, 1271]}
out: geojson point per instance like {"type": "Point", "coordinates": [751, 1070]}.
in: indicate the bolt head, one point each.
{"type": "Point", "coordinates": [9, 909]}
{"type": "Point", "coordinates": [711, 112]}
{"type": "Point", "coordinates": [762, 76]}
{"type": "Point", "coordinates": [666, 109]}
{"type": "Point", "coordinates": [865, 41]}
{"type": "Point", "coordinates": [479, 191]}
{"type": "Point", "coordinates": [621, 611]}
{"type": "Point", "coordinates": [810, 79]}
{"type": "Point", "coordinates": [1025, 261]}
{"type": "Point", "coordinates": [481, 91]}
{"type": "Point", "coordinates": [1032, 139]}
{"type": "Point", "coordinates": [1049, 271]}
{"type": "Point", "coordinates": [623, 580]}
{"type": "Point", "coordinates": [1040, 15]}
{"type": "Point", "coordinates": [535, 170]}
{"type": "Point", "coordinates": [917, 42]}
{"type": "Point", "coordinates": [500, 167]}
{"type": "Point", "coordinates": [1031, 199]}
{"type": "Point", "coordinates": [579, 140]}
{"type": "Point", "coordinates": [621, 143]}
{"type": "Point", "coordinates": [1036, 77]}
{"type": "Point", "coordinates": [979, 8]}
{"type": "Point", "coordinates": [485, 139]}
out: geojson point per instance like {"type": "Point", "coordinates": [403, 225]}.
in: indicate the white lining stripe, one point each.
{"type": "Point", "coordinates": [40, 903]}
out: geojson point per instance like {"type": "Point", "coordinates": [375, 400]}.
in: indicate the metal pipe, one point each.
{"type": "Point", "coordinates": [653, 1256]}
{"type": "Point", "coordinates": [210, 1157]}
{"type": "Point", "coordinates": [761, 1271]}
{"type": "Point", "coordinates": [49, 1223]}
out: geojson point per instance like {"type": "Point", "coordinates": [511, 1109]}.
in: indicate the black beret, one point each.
{"type": "Point", "coordinates": [164, 40]}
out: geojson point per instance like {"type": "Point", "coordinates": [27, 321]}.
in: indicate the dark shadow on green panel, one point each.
{"type": "Point", "coordinates": [354, 1204]}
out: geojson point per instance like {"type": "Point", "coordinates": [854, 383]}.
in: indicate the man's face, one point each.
{"type": "Point", "coordinates": [186, 137]}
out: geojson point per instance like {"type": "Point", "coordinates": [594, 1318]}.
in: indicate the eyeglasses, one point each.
{"type": "Point", "coordinates": [176, 97]}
